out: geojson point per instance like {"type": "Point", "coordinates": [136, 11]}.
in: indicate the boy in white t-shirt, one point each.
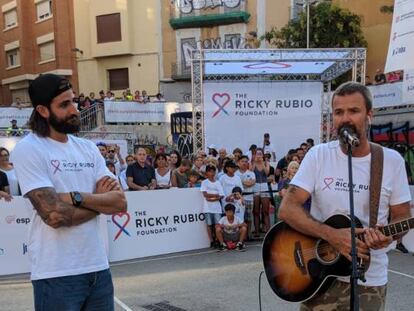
{"type": "Point", "coordinates": [238, 202]}
{"type": "Point", "coordinates": [231, 229]}
{"type": "Point", "coordinates": [213, 193]}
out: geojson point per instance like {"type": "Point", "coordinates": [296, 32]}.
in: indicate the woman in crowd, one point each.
{"type": "Point", "coordinates": [7, 168]}
{"type": "Point", "coordinates": [284, 182]}
{"type": "Point", "coordinates": [198, 166]}
{"type": "Point", "coordinates": [162, 171]}
{"type": "Point", "coordinates": [179, 176]}
{"type": "Point", "coordinates": [175, 160]}
{"type": "Point", "coordinates": [237, 154]}
{"type": "Point", "coordinates": [261, 169]}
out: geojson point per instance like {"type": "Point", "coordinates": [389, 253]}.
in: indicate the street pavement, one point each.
{"type": "Point", "coordinates": [205, 280]}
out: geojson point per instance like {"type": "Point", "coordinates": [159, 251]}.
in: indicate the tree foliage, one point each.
{"type": "Point", "coordinates": [330, 27]}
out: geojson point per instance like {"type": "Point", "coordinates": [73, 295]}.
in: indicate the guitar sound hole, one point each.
{"type": "Point", "coordinates": [326, 253]}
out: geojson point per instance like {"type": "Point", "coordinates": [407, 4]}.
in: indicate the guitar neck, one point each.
{"type": "Point", "coordinates": [398, 227]}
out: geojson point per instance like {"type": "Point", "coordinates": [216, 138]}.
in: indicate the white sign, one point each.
{"type": "Point", "coordinates": [266, 67]}
{"type": "Point", "coordinates": [137, 112]}
{"type": "Point", "coordinates": [157, 222]}
{"type": "Point", "coordinates": [22, 116]}
{"type": "Point", "coordinates": [14, 225]}
{"type": "Point", "coordinates": [386, 95]}
{"type": "Point", "coordinates": [408, 87]}
{"type": "Point", "coordinates": [401, 46]}
{"type": "Point", "coordinates": [238, 114]}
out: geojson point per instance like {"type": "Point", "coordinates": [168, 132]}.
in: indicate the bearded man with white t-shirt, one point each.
{"type": "Point", "coordinates": [323, 174]}
{"type": "Point", "coordinates": [68, 184]}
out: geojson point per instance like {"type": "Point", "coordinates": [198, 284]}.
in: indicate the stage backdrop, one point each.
{"type": "Point", "coordinates": [401, 47]}
{"type": "Point", "coordinates": [237, 114]}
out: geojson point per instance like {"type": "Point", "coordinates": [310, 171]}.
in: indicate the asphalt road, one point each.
{"type": "Point", "coordinates": [205, 280]}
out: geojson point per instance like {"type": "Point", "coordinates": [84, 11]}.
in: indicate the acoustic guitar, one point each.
{"type": "Point", "coordinates": [298, 266]}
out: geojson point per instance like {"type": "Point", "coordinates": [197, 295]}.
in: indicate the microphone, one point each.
{"type": "Point", "coordinates": [347, 136]}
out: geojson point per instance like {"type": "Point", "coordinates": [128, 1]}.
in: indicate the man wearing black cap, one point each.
{"type": "Point", "coordinates": [68, 184]}
{"type": "Point", "coordinates": [14, 130]}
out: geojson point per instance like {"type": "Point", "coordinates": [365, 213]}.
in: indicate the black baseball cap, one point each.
{"type": "Point", "coordinates": [45, 87]}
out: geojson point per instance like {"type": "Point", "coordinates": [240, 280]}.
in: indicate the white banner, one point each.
{"type": "Point", "coordinates": [14, 225]}
{"type": "Point", "coordinates": [22, 116]}
{"type": "Point", "coordinates": [137, 112]}
{"type": "Point", "coordinates": [157, 222]}
{"type": "Point", "coordinates": [387, 95]}
{"type": "Point", "coordinates": [408, 87]}
{"type": "Point", "coordinates": [401, 46]}
{"type": "Point", "coordinates": [237, 114]}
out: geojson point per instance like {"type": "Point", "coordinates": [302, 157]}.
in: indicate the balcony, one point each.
{"type": "Point", "coordinates": [189, 14]}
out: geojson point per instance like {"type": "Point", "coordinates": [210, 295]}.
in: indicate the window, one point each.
{"type": "Point", "coordinates": [13, 58]}
{"type": "Point", "coordinates": [44, 10]}
{"type": "Point", "coordinates": [108, 28]}
{"type": "Point", "coordinates": [10, 19]}
{"type": "Point", "coordinates": [118, 79]}
{"type": "Point", "coordinates": [47, 51]}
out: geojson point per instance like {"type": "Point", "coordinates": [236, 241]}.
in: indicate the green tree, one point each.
{"type": "Point", "coordinates": [330, 27]}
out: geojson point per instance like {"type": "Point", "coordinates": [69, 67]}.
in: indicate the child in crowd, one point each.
{"type": "Point", "coordinates": [193, 180]}
{"type": "Point", "coordinates": [179, 176]}
{"type": "Point", "coordinates": [213, 193]}
{"type": "Point", "coordinates": [231, 229]}
{"type": "Point", "coordinates": [238, 202]}
{"type": "Point", "coordinates": [229, 180]}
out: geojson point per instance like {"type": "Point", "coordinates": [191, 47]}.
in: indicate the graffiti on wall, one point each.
{"type": "Point", "coordinates": [230, 41]}
{"type": "Point", "coordinates": [188, 6]}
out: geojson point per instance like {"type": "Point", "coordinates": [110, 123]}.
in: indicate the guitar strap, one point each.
{"type": "Point", "coordinates": [377, 164]}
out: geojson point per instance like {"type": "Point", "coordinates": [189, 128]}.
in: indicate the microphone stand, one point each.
{"type": "Point", "coordinates": [355, 275]}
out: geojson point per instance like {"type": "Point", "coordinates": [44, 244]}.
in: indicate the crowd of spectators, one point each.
{"type": "Point", "coordinates": [246, 181]}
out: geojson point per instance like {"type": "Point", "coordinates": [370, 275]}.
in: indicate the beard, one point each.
{"type": "Point", "coordinates": [67, 125]}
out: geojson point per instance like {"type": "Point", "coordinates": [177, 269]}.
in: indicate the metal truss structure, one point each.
{"type": "Point", "coordinates": [335, 62]}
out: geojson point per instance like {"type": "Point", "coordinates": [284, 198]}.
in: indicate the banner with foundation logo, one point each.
{"type": "Point", "coordinates": [237, 114]}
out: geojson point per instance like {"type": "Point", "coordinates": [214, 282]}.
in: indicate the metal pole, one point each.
{"type": "Point", "coordinates": [307, 23]}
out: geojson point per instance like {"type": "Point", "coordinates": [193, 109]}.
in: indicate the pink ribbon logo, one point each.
{"type": "Point", "coordinates": [121, 227]}
{"type": "Point", "coordinates": [221, 100]}
{"type": "Point", "coordinates": [56, 165]}
{"type": "Point", "coordinates": [327, 181]}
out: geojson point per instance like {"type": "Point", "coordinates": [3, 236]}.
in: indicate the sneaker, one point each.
{"type": "Point", "coordinates": [402, 248]}
{"type": "Point", "coordinates": [222, 247]}
{"type": "Point", "coordinates": [212, 244]}
{"type": "Point", "coordinates": [240, 247]}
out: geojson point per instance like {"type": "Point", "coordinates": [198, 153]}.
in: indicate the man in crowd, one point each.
{"type": "Point", "coordinates": [69, 265]}
{"type": "Point", "coordinates": [14, 130]}
{"type": "Point", "coordinates": [222, 153]}
{"type": "Point", "coordinates": [283, 163]}
{"type": "Point", "coordinates": [268, 147]}
{"type": "Point", "coordinates": [380, 77]}
{"type": "Point", "coordinates": [114, 156]}
{"type": "Point", "coordinates": [140, 175]}
{"type": "Point", "coordinates": [102, 149]}
{"type": "Point", "coordinates": [352, 107]}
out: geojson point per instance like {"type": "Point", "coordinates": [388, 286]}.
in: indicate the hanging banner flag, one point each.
{"type": "Point", "coordinates": [408, 87]}
{"type": "Point", "coordinates": [238, 114]}
{"type": "Point", "coordinates": [401, 46]}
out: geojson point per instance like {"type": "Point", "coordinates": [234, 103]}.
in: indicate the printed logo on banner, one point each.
{"type": "Point", "coordinates": [267, 65]}
{"type": "Point", "coordinates": [24, 248]}
{"type": "Point", "coordinates": [121, 220]}
{"type": "Point", "coordinates": [11, 219]}
{"type": "Point", "coordinates": [221, 100]}
{"type": "Point", "coordinates": [2, 251]}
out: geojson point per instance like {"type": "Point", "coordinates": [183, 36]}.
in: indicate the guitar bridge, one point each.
{"type": "Point", "coordinates": [298, 255]}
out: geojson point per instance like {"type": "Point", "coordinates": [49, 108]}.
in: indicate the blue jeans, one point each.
{"type": "Point", "coordinates": [87, 292]}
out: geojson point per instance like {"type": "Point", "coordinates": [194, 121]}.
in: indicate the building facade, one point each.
{"type": "Point", "coordinates": [38, 37]}
{"type": "Point", "coordinates": [119, 44]}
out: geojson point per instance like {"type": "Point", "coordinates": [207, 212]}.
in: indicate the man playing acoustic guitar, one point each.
{"type": "Point", "coordinates": [323, 175]}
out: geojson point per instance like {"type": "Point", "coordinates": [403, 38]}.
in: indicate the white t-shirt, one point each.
{"type": "Point", "coordinates": [123, 180]}
{"type": "Point", "coordinates": [247, 176]}
{"type": "Point", "coordinates": [228, 227]}
{"type": "Point", "coordinates": [72, 166]}
{"type": "Point", "coordinates": [324, 174]}
{"type": "Point", "coordinates": [13, 183]}
{"type": "Point", "coordinates": [239, 212]}
{"type": "Point", "coordinates": [163, 180]}
{"type": "Point", "coordinates": [211, 188]}
{"type": "Point", "coordinates": [229, 183]}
